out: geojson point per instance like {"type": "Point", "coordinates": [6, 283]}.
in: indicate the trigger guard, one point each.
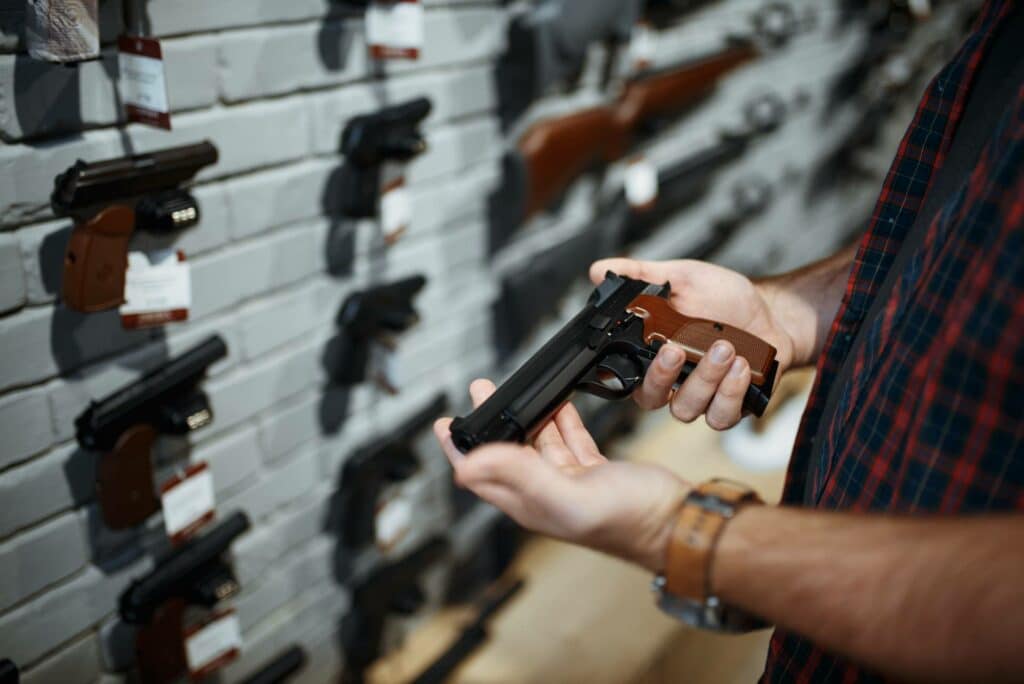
{"type": "Point", "coordinates": [627, 372]}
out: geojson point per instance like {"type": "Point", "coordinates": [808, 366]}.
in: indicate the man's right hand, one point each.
{"type": "Point", "coordinates": [717, 386]}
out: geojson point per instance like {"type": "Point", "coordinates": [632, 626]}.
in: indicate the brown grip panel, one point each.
{"type": "Point", "coordinates": [662, 323]}
{"type": "Point", "coordinates": [124, 479]}
{"type": "Point", "coordinates": [160, 644]}
{"type": "Point", "coordinates": [96, 260]}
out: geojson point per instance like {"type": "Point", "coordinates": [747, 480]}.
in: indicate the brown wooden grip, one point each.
{"type": "Point", "coordinates": [96, 260]}
{"type": "Point", "coordinates": [663, 324]}
{"type": "Point", "coordinates": [124, 479]}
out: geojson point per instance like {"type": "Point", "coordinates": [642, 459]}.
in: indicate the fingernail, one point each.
{"type": "Point", "coordinates": [736, 369]}
{"type": "Point", "coordinates": [720, 352]}
{"type": "Point", "coordinates": [670, 357]}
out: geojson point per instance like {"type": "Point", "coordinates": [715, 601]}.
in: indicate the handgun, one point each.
{"type": "Point", "coordinates": [370, 140]}
{"type": "Point", "coordinates": [605, 350]}
{"type": "Point", "coordinates": [553, 153]}
{"type": "Point", "coordinates": [109, 200]}
{"type": "Point", "coordinates": [195, 574]}
{"type": "Point", "coordinates": [368, 317]}
{"type": "Point", "coordinates": [374, 466]}
{"type": "Point", "coordinates": [125, 425]}
{"type": "Point", "coordinates": [472, 637]}
{"type": "Point", "coordinates": [392, 588]}
{"type": "Point", "coordinates": [9, 672]}
{"type": "Point", "coordinates": [281, 668]}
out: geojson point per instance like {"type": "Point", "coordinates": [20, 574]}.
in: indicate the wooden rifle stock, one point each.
{"type": "Point", "coordinates": [558, 151]}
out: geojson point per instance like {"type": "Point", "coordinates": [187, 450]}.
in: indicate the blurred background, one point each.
{"type": "Point", "coordinates": [340, 213]}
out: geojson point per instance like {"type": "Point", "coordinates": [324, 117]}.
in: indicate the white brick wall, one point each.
{"type": "Point", "coordinates": [273, 85]}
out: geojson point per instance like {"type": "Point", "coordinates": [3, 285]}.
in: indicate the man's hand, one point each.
{"type": "Point", "coordinates": [563, 487]}
{"type": "Point", "coordinates": [717, 386]}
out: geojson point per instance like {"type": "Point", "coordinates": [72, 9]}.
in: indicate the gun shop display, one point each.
{"type": "Point", "coordinates": [125, 425]}
{"type": "Point", "coordinates": [605, 350]}
{"type": "Point", "coordinates": [111, 199]}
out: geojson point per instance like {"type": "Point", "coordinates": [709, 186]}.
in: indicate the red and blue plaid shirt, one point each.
{"type": "Point", "coordinates": [933, 418]}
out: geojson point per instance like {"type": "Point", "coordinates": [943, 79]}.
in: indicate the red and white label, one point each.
{"type": "Point", "coordinates": [213, 644]}
{"type": "Point", "coordinates": [641, 184]}
{"type": "Point", "coordinates": [394, 30]}
{"type": "Point", "coordinates": [157, 289]}
{"type": "Point", "coordinates": [395, 211]}
{"type": "Point", "coordinates": [393, 521]}
{"type": "Point", "coordinates": [143, 82]}
{"type": "Point", "coordinates": [188, 502]}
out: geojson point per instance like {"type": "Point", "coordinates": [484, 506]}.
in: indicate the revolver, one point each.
{"type": "Point", "coordinates": [368, 141]}
{"type": "Point", "coordinates": [109, 200]}
{"type": "Point", "coordinates": [605, 350]}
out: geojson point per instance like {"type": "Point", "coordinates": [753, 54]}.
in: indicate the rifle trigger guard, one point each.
{"type": "Point", "coordinates": [614, 377]}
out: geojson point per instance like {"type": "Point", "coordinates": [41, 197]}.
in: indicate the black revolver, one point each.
{"type": "Point", "coordinates": [391, 134]}
{"type": "Point", "coordinates": [606, 350]}
{"type": "Point", "coordinates": [125, 425]}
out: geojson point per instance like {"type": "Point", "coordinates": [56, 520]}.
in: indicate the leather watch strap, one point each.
{"type": "Point", "coordinates": [698, 527]}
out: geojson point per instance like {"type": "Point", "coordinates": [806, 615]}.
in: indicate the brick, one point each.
{"type": "Point", "coordinates": [25, 425]}
{"type": "Point", "coordinates": [276, 487]}
{"type": "Point", "coordinates": [12, 280]}
{"type": "Point", "coordinates": [172, 17]}
{"type": "Point", "coordinates": [37, 627]}
{"type": "Point", "coordinates": [40, 557]}
{"type": "Point", "coordinates": [32, 168]}
{"type": "Point", "coordinates": [273, 321]}
{"type": "Point", "coordinates": [76, 663]}
{"type": "Point", "coordinates": [288, 428]}
{"type": "Point", "coordinates": [452, 200]}
{"type": "Point", "coordinates": [49, 484]}
{"type": "Point", "coordinates": [42, 253]}
{"type": "Point", "coordinates": [233, 460]}
{"type": "Point", "coordinates": [454, 36]}
{"type": "Point", "coordinates": [454, 148]}
{"type": "Point", "coordinates": [277, 197]}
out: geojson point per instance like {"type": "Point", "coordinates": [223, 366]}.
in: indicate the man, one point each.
{"type": "Point", "coordinates": [898, 551]}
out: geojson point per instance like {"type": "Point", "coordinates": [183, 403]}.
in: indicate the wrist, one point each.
{"type": "Point", "coordinates": [793, 319]}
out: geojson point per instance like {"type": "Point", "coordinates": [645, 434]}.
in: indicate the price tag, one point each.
{"type": "Point", "coordinates": [641, 184]}
{"type": "Point", "coordinates": [395, 210]}
{"type": "Point", "coordinates": [394, 29]}
{"type": "Point", "coordinates": [142, 81]}
{"type": "Point", "coordinates": [393, 521]}
{"type": "Point", "coordinates": [643, 46]}
{"type": "Point", "coordinates": [188, 502]}
{"type": "Point", "coordinates": [213, 644]}
{"type": "Point", "coordinates": [921, 9]}
{"type": "Point", "coordinates": [157, 289]}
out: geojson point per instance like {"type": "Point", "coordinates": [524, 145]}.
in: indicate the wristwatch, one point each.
{"type": "Point", "coordinates": [684, 589]}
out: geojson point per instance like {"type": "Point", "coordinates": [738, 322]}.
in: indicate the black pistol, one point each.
{"type": "Point", "coordinates": [371, 468]}
{"type": "Point", "coordinates": [369, 140]}
{"type": "Point", "coordinates": [125, 424]}
{"type": "Point", "coordinates": [9, 672]}
{"type": "Point", "coordinates": [392, 588]}
{"type": "Point", "coordinates": [605, 350]}
{"type": "Point", "coordinates": [368, 317]}
{"type": "Point", "coordinates": [109, 200]}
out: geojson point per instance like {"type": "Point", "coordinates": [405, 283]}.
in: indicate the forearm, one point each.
{"type": "Point", "coordinates": [806, 300]}
{"type": "Point", "coordinates": [934, 599]}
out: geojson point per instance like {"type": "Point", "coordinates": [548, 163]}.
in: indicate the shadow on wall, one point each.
{"type": "Point", "coordinates": [337, 36]}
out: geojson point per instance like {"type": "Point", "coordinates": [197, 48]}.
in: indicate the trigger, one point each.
{"type": "Point", "coordinates": [619, 373]}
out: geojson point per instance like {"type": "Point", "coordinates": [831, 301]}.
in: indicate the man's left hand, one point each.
{"type": "Point", "coordinates": [563, 487]}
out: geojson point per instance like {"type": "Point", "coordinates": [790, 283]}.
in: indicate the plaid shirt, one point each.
{"type": "Point", "coordinates": [932, 418]}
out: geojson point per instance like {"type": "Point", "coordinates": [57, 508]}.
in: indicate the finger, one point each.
{"type": "Point", "coordinates": [479, 390]}
{"type": "Point", "coordinates": [696, 393]}
{"type": "Point", "coordinates": [552, 447]}
{"type": "Point", "coordinates": [661, 376]}
{"type": "Point", "coordinates": [507, 465]}
{"type": "Point", "coordinates": [652, 271]}
{"type": "Point", "coordinates": [501, 497]}
{"type": "Point", "coordinates": [727, 407]}
{"type": "Point", "coordinates": [443, 433]}
{"type": "Point", "coordinates": [577, 437]}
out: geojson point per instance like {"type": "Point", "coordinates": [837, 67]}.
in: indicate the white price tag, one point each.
{"type": "Point", "coordinates": [641, 183]}
{"type": "Point", "coordinates": [157, 289]}
{"type": "Point", "coordinates": [213, 644]}
{"type": "Point", "coordinates": [188, 502]}
{"type": "Point", "coordinates": [393, 521]}
{"type": "Point", "coordinates": [394, 29]}
{"type": "Point", "coordinates": [921, 9]}
{"type": "Point", "coordinates": [142, 81]}
{"type": "Point", "coordinates": [643, 46]}
{"type": "Point", "coordinates": [395, 211]}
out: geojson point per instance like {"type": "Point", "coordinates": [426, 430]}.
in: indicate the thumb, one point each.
{"type": "Point", "coordinates": [656, 272]}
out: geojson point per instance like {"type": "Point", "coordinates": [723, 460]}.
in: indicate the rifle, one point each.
{"type": "Point", "coordinates": [605, 350]}
{"type": "Point", "coordinates": [371, 468]}
{"type": "Point", "coordinates": [370, 140]}
{"type": "Point", "coordinates": [554, 153]}
{"type": "Point", "coordinates": [751, 198]}
{"type": "Point", "coordinates": [473, 635]}
{"type": "Point", "coordinates": [194, 575]}
{"type": "Point", "coordinates": [392, 588]}
{"type": "Point", "coordinates": [365, 318]}
{"type": "Point", "coordinates": [108, 201]}
{"type": "Point", "coordinates": [125, 424]}
{"type": "Point", "coordinates": [281, 668]}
